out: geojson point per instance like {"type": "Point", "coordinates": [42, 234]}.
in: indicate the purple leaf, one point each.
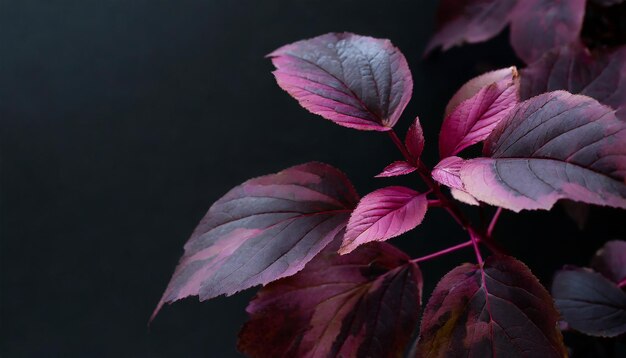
{"type": "Point", "coordinates": [262, 230]}
{"type": "Point", "coordinates": [365, 303]}
{"type": "Point", "coordinates": [538, 26]}
{"type": "Point", "coordinates": [553, 146]}
{"type": "Point", "coordinates": [610, 260]}
{"type": "Point", "coordinates": [383, 214]}
{"type": "Point", "coordinates": [590, 303]}
{"type": "Point", "coordinates": [447, 172]}
{"type": "Point", "coordinates": [499, 310]}
{"type": "Point", "coordinates": [355, 81]}
{"type": "Point", "coordinates": [477, 108]}
{"type": "Point", "coordinates": [574, 69]}
{"type": "Point", "coordinates": [414, 140]}
{"type": "Point", "coordinates": [396, 169]}
{"type": "Point", "coordinates": [469, 21]}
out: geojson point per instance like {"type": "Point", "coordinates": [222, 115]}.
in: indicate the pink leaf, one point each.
{"type": "Point", "coordinates": [262, 230]}
{"type": "Point", "coordinates": [610, 260]}
{"type": "Point", "coordinates": [497, 310]}
{"type": "Point", "coordinates": [574, 69]}
{"type": "Point", "coordinates": [553, 146]}
{"type": "Point", "coordinates": [477, 108]}
{"type": "Point", "coordinates": [447, 172]}
{"type": "Point", "coordinates": [414, 140]}
{"type": "Point", "coordinates": [366, 303]}
{"type": "Point", "coordinates": [355, 81]}
{"type": "Point", "coordinates": [537, 26]}
{"type": "Point", "coordinates": [396, 169]}
{"type": "Point", "coordinates": [383, 214]}
{"type": "Point", "coordinates": [469, 21]}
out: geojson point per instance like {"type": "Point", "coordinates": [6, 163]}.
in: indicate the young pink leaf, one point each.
{"type": "Point", "coordinates": [262, 230]}
{"type": "Point", "coordinates": [355, 81]}
{"type": "Point", "coordinates": [553, 146]}
{"type": "Point", "coordinates": [396, 169]}
{"type": "Point", "coordinates": [610, 260]}
{"type": "Point", "coordinates": [447, 172]}
{"type": "Point", "coordinates": [497, 310]}
{"type": "Point", "coordinates": [366, 303]}
{"type": "Point", "coordinates": [574, 69]}
{"type": "Point", "coordinates": [414, 140]}
{"type": "Point", "coordinates": [537, 26]}
{"type": "Point", "coordinates": [477, 108]}
{"type": "Point", "coordinates": [469, 21]}
{"type": "Point", "coordinates": [590, 303]}
{"type": "Point", "coordinates": [383, 214]}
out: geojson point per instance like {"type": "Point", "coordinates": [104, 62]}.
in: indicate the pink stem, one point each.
{"type": "Point", "coordinates": [435, 203]}
{"type": "Point", "coordinates": [442, 252]}
{"type": "Point", "coordinates": [445, 202]}
{"type": "Point", "coordinates": [493, 222]}
{"type": "Point", "coordinates": [475, 240]}
{"type": "Point", "coordinates": [622, 283]}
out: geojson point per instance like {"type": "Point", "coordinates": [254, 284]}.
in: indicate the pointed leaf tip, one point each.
{"type": "Point", "coordinates": [264, 229]}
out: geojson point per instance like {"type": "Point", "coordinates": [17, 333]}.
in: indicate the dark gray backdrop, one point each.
{"type": "Point", "coordinates": [123, 120]}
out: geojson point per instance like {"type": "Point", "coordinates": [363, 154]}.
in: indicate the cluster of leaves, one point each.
{"type": "Point", "coordinates": [536, 26]}
{"type": "Point", "coordinates": [332, 286]}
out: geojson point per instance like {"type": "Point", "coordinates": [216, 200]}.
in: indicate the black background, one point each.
{"type": "Point", "coordinates": [123, 120]}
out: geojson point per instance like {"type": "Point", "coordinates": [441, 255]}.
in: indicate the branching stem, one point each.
{"type": "Point", "coordinates": [443, 201]}
{"type": "Point", "coordinates": [443, 252]}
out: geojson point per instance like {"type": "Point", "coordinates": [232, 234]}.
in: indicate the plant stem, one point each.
{"type": "Point", "coordinates": [398, 142]}
{"type": "Point", "coordinates": [442, 252]}
{"type": "Point", "coordinates": [475, 240]}
{"type": "Point", "coordinates": [451, 206]}
{"type": "Point", "coordinates": [493, 222]}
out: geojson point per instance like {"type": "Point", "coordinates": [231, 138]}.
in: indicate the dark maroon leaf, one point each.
{"type": "Point", "coordinates": [414, 139]}
{"type": "Point", "coordinates": [590, 303]}
{"type": "Point", "coordinates": [499, 310]}
{"type": "Point", "coordinates": [383, 214]}
{"type": "Point", "coordinates": [262, 230]}
{"type": "Point", "coordinates": [396, 169]}
{"type": "Point", "coordinates": [355, 81]}
{"type": "Point", "coordinates": [610, 260]}
{"type": "Point", "coordinates": [553, 146]}
{"type": "Point", "coordinates": [469, 21]}
{"type": "Point", "coordinates": [362, 304]}
{"type": "Point", "coordinates": [574, 69]}
{"type": "Point", "coordinates": [476, 108]}
{"type": "Point", "coordinates": [537, 26]}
